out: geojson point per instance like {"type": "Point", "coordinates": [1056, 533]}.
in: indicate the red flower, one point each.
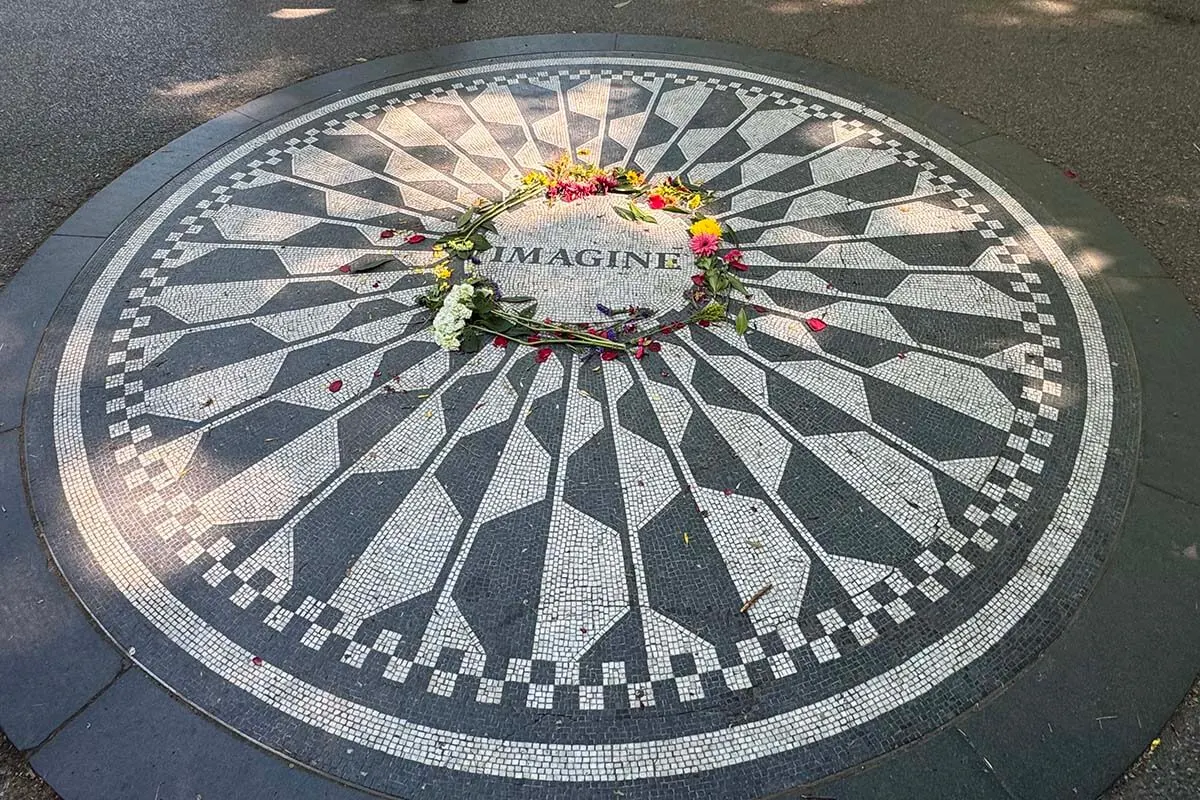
{"type": "Point", "coordinates": [386, 234]}
{"type": "Point", "coordinates": [416, 238]}
{"type": "Point", "coordinates": [654, 347]}
{"type": "Point", "coordinates": [815, 324]}
{"type": "Point", "coordinates": [732, 256]}
{"type": "Point", "coordinates": [336, 386]}
{"type": "Point", "coordinates": [542, 354]}
{"type": "Point", "coordinates": [739, 266]}
{"type": "Point", "coordinates": [641, 351]}
{"type": "Point", "coordinates": [344, 268]}
{"type": "Point", "coordinates": [698, 279]}
{"type": "Point", "coordinates": [499, 341]}
{"type": "Point", "coordinates": [609, 355]}
{"type": "Point", "coordinates": [656, 202]}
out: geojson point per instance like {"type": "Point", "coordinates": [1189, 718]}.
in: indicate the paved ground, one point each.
{"type": "Point", "coordinates": [1105, 89]}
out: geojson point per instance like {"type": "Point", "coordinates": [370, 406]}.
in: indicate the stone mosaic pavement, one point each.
{"type": "Point", "coordinates": [487, 574]}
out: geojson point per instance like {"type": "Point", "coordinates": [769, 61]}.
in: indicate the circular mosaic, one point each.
{"type": "Point", "coordinates": [734, 563]}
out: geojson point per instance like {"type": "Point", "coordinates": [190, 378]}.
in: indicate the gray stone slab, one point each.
{"type": "Point", "coordinates": [26, 305]}
{"type": "Point", "coordinates": [136, 741]}
{"type": "Point", "coordinates": [944, 766]}
{"type": "Point", "coordinates": [101, 215]}
{"type": "Point", "coordinates": [1085, 228]}
{"type": "Point", "coordinates": [1165, 332]}
{"type": "Point", "coordinates": [52, 659]}
{"type": "Point", "coordinates": [1091, 704]}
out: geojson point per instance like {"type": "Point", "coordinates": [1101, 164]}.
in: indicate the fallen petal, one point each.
{"type": "Point", "coordinates": [543, 354]}
{"type": "Point", "coordinates": [257, 661]}
{"type": "Point", "coordinates": [344, 268]}
{"type": "Point", "coordinates": [609, 355]}
{"type": "Point", "coordinates": [336, 386]}
{"type": "Point", "coordinates": [416, 238]}
{"type": "Point", "coordinates": [500, 341]}
{"type": "Point", "coordinates": [654, 347]}
{"type": "Point", "coordinates": [386, 234]}
{"type": "Point", "coordinates": [815, 324]}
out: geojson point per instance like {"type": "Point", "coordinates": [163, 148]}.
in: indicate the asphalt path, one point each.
{"type": "Point", "coordinates": [1108, 90]}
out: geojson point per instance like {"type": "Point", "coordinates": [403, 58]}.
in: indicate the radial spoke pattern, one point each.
{"type": "Point", "coordinates": [463, 541]}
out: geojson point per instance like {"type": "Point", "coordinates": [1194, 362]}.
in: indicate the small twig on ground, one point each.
{"type": "Point", "coordinates": [757, 596]}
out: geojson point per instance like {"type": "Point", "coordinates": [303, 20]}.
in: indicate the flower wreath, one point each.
{"type": "Point", "coordinates": [469, 307]}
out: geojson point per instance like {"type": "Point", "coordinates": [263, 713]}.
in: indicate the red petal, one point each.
{"type": "Point", "coordinates": [654, 347]}
{"type": "Point", "coordinates": [739, 266]}
{"type": "Point", "coordinates": [815, 324]}
{"type": "Point", "coordinates": [728, 492]}
{"type": "Point", "coordinates": [641, 351]}
{"type": "Point", "coordinates": [1070, 173]}
{"type": "Point", "coordinates": [543, 354]}
{"type": "Point", "coordinates": [386, 234]}
{"type": "Point", "coordinates": [533, 338]}
{"type": "Point", "coordinates": [377, 373]}
{"type": "Point", "coordinates": [416, 238]}
{"type": "Point", "coordinates": [704, 323]}
{"type": "Point", "coordinates": [375, 285]}
{"type": "Point", "coordinates": [609, 355]}
{"type": "Point", "coordinates": [698, 279]}
{"type": "Point", "coordinates": [336, 386]}
{"type": "Point", "coordinates": [901, 355]}
{"type": "Point", "coordinates": [257, 661]}
{"type": "Point", "coordinates": [760, 309]}
{"type": "Point", "coordinates": [344, 268]}
{"type": "Point", "coordinates": [499, 341]}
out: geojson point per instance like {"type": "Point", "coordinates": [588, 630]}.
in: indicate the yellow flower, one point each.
{"type": "Point", "coordinates": [634, 177]}
{"type": "Point", "coordinates": [694, 202]}
{"type": "Point", "coordinates": [442, 272]}
{"type": "Point", "coordinates": [705, 225]}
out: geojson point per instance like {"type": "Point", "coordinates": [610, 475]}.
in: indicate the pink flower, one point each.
{"type": "Point", "coordinates": [704, 244]}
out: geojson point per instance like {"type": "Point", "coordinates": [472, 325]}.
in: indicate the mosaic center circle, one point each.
{"type": "Point", "coordinates": [411, 567]}
{"type": "Point", "coordinates": [575, 256]}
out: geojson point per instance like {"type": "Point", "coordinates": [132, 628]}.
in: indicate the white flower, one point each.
{"type": "Point", "coordinates": [452, 317]}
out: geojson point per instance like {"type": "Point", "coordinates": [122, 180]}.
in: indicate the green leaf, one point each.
{"type": "Point", "coordinates": [624, 213]}
{"type": "Point", "coordinates": [736, 283]}
{"type": "Point", "coordinates": [470, 340]}
{"type": "Point", "coordinates": [741, 324]}
{"type": "Point", "coordinates": [464, 218]}
{"type": "Point", "coordinates": [527, 312]}
{"type": "Point", "coordinates": [730, 236]}
{"type": "Point", "coordinates": [499, 324]}
{"type": "Point", "coordinates": [487, 225]}
{"type": "Point", "coordinates": [676, 210]}
{"type": "Point", "coordinates": [711, 279]}
{"type": "Point", "coordinates": [364, 263]}
{"type": "Point", "coordinates": [480, 243]}
{"type": "Point", "coordinates": [517, 298]}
